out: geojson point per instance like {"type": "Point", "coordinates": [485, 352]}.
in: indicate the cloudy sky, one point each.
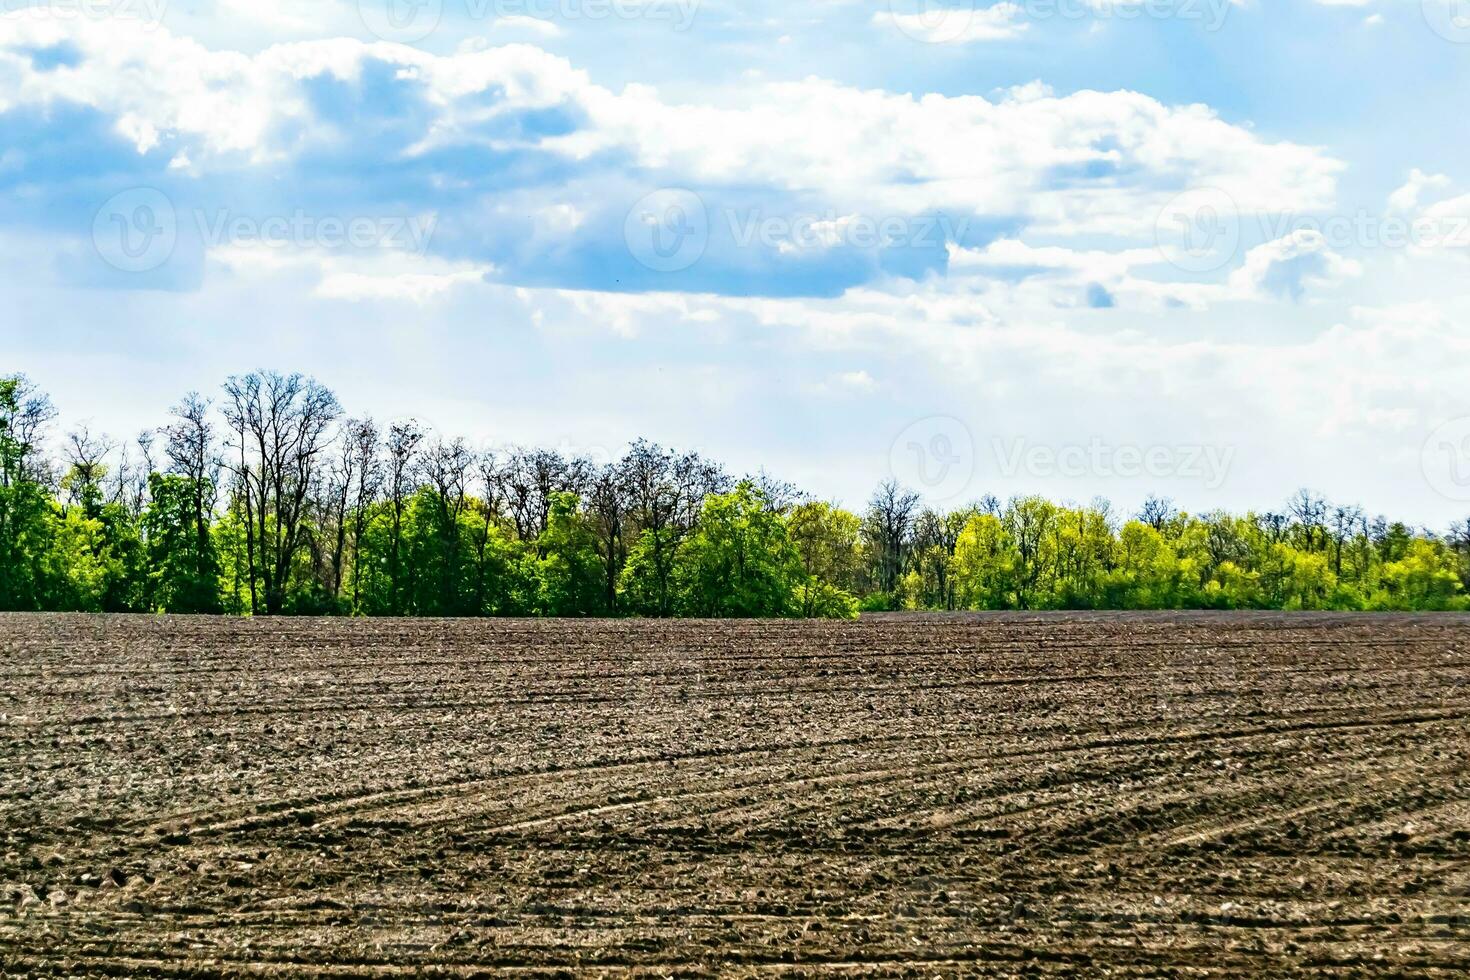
{"type": "Point", "coordinates": [1217, 249]}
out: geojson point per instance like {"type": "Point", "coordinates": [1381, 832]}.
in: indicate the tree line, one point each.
{"type": "Point", "coordinates": [269, 500]}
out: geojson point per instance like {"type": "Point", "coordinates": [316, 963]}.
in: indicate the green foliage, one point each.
{"type": "Point", "coordinates": [184, 570]}
{"type": "Point", "coordinates": [26, 523]}
{"type": "Point", "coordinates": [1036, 555]}
{"type": "Point", "coordinates": [740, 562]}
{"type": "Point", "coordinates": [569, 571]}
{"type": "Point", "coordinates": [819, 600]}
{"type": "Point", "coordinates": [351, 520]}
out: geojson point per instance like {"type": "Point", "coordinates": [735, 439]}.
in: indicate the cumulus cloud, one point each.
{"type": "Point", "coordinates": [1409, 195]}
{"type": "Point", "coordinates": [533, 166]}
{"type": "Point", "coordinates": [1288, 266]}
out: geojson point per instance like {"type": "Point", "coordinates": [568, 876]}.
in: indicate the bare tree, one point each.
{"type": "Point", "coordinates": [360, 439]}
{"type": "Point", "coordinates": [280, 426]}
{"type": "Point", "coordinates": [25, 411]}
{"type": "Point", "coordinates": [607, 511]}
{"type": "Point", "coordinates": [888, 527]}
{"type": "Point", "coordinates": [1343, 525]}
{"type": "Point", "coordinates": [1309, 510]}
{"type": "Point", "coordinates": [664, 494]}
{"type": "Point", "coordinates": [343, 500]}
{"type": "Point", "coordinates": [529, 479]}
{"type": "Point", "coordinates": [130, 481]}
{"type": "Point", "coordinates": [190, 448]}
{"type": "Point", "coordinates": [403, 443]}
{"type": "Point", "coordinates": [447, 466]}
{"type": "Point", "coordinates": [488, 505]}
{"type": "Point", "coordinates": [1274, 526]}
{"type": "Point", "coordinates": [1157, 512]}
{"type": "Point", "coordinates": [86, 454]}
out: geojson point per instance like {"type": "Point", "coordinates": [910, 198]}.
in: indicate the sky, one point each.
{"type": "Point", "coordinates": [1216, 250]}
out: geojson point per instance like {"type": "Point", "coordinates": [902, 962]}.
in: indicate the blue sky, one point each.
{"type": "Point", "coordinates": [1215, 249]}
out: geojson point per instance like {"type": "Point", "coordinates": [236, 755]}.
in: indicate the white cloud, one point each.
{"type": "Point", "coordinates": [534, 25]}
{"type": "Point", "coordinates": [1407, 197]}
{"type": "Point", "coordinates": [1288, 266]}
{"type": "Point", "coordinates": [857, 381]}
{"type": "Point", "coordinates": [868, 151]}
{"type": "Point", "coordinates": [963, 24]}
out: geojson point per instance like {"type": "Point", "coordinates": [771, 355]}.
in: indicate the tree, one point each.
{"type": "Point", "coordinates": [827, 540]}
{"type": "Point", "coordinates": [402, 450]}
{"type": "Point", "coordinates": [25, 528]}
{"type": "Point", "coordinates": [447, 467]}
{"type": "Point", "coordinates": [1424, 579]}
{"type": "Point", "coordinates": [360, 459]}
{"type": "Point", "coordinates": [1157, 512]}
{"type": "Point", "coordinates": [887, 528]}
{"type": "Point", "coordinates": [740, 562]}
{"type": "Point", "coordinates": [665, 494]}
{"type": "Point", "coordinates": [985, 560]}
{"type": "Point", "coordinates": [1309, 510]}
{"type": "Point", "coordinates": [569, 570]}
{"type": "Point", "coordinates": [184, 572]}
{"type": "Point", "coordinates": [280, 424]}
{"type": "Point", "coordinates": [607, 518]}
{"type": "Point", "coordinates": [1028, 522]}
{"type": "Point", "coordinates": [190, 448]}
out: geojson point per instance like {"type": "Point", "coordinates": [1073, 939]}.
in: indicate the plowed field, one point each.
{"type": "Point", "coordinates": [1129, 795]}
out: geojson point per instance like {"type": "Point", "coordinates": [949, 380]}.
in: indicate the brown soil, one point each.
{"type": "Point", "coordinates": [1125, 795]}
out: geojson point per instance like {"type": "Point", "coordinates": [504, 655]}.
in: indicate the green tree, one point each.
{"type": "Point", "coordinates": [25, 507]}
{"type": "Point", "coordinates": [184, 569]}
{"type": "Point", "coordinates": [828, 543]}
{"type": "Point", "coordinates": [740, 562]}
{"type": "Point", "coordinates": [570, 568]}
